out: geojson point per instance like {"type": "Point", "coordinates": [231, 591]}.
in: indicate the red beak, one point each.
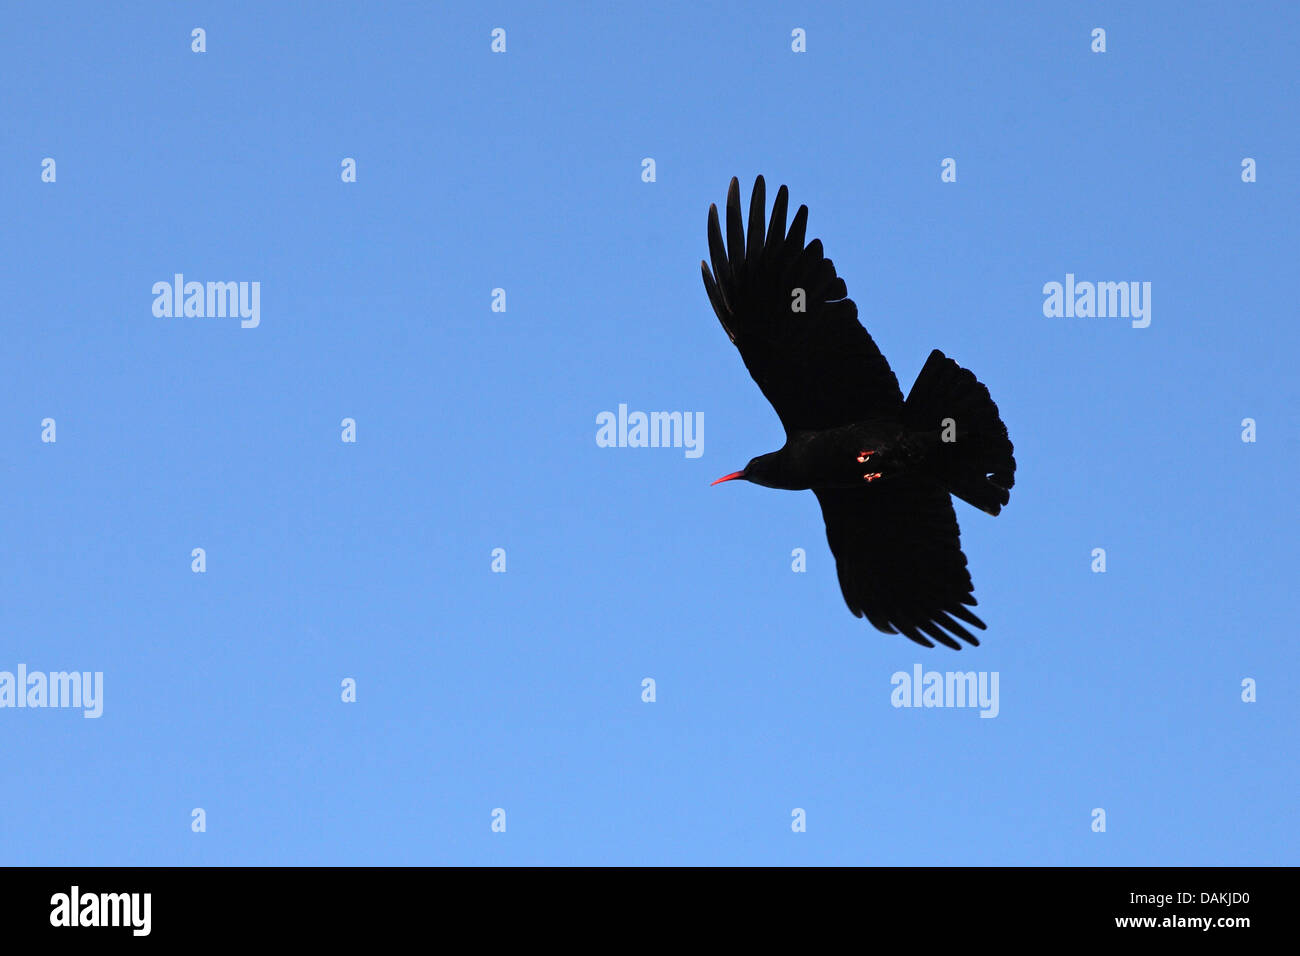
{"type": "Point", "coordinates": [734, 474]}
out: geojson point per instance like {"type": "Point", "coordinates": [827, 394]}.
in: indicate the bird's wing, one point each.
{"type": "Point", "coordinates": [898, 554]}
{"type": "Point", "coordinates": [818, 367]}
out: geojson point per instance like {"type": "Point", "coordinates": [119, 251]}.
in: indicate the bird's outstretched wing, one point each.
{"type": "Point", "coordinates": [818, 367]}
{"type": "Point", "coordinates": [898, 554]}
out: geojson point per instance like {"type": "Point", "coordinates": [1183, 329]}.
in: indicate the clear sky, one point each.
{"type": "Point", "coordinates": [476, 430]}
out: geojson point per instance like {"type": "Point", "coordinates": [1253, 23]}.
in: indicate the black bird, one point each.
{"type": "Point", "coordinates": [882, 468]}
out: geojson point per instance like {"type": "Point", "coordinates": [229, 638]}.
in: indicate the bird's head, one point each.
{"type": "Point", "coordinates": [762, 470]}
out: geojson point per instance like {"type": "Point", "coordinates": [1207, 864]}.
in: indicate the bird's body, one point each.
{"type": "Point", "coordinates": [882, 468]}
{"type": "Point", "coordinates": [846, 456]}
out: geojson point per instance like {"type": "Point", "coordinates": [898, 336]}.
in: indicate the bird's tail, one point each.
{"type": "Point", "coordinates": [973, 457]}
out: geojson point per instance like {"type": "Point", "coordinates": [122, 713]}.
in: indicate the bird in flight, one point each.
{"type": "Point", "coordinates": [882, 468]}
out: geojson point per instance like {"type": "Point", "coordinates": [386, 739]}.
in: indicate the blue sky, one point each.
{"type": "Point", "coordinates": [476, 430]}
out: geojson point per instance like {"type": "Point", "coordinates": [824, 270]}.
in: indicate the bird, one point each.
{"type": "Point", "coordinates": [883, 469]}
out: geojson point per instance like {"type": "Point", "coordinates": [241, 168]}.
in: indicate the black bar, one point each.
{"type": "Point", "coordinates": [335, 905]}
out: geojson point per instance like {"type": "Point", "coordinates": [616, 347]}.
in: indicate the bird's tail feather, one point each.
{"type": "Point", "coordinates": [974, 457]}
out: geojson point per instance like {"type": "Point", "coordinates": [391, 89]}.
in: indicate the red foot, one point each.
{"type": "Point", "coordinates": [872, 476]}
{"type": "Point", "coordinates": [864, 455]}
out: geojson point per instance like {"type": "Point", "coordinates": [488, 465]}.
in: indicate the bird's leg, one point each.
{"type": "Point", "coordinates": [863, 458]}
